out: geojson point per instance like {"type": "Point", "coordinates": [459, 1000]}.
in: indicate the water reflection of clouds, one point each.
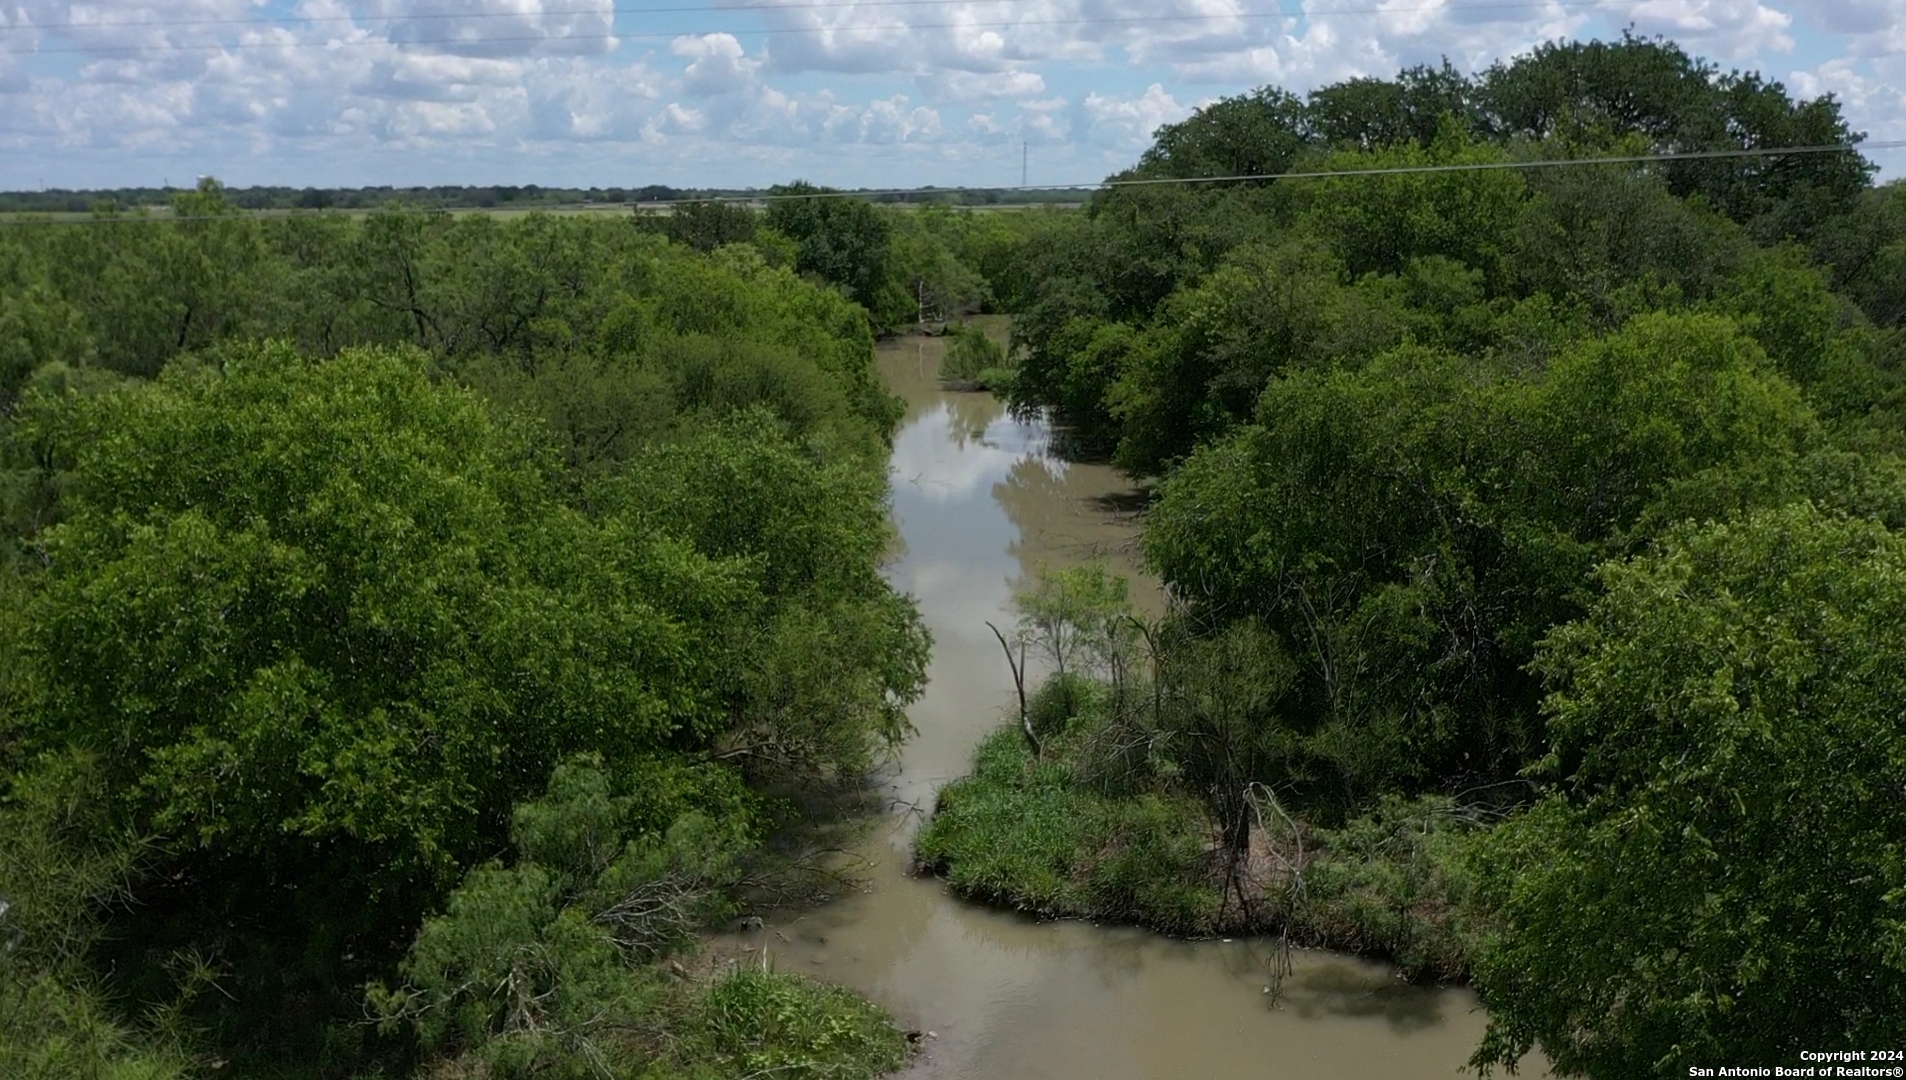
{"type": "Point", "coordinates": [929, 458]}
{"type": "Point", "coordinates": [957, 603]}
{"type": "Point", "coordinates": [1031, 440]}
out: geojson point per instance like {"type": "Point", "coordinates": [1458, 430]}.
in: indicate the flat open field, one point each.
{"type": "Point", "coordinates": [163, 213]}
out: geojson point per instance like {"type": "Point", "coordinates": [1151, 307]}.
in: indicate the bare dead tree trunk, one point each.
{"type": "Point", "coordinates": [1019, 684]}
{"type": "Point", "coordinates": [1279, 965]}
{"type": "Point", "coordinates": [1158, 668]}
{"type": "Point", "coordinates": [1234, 810]}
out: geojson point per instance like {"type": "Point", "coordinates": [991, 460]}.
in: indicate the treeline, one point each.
{"type": "Point", "coordinates": [475, 197]}
{"type": "Point", "coordinates": [414, 626]}
{"type": "Point", "coordinates": [268, 197]}
{"type": "Point", "coordinates": [128, 291]}
{"type": "Point", "coordinates": [906, 267]}
{"type": "Point", "coordinates": [1562, 496]}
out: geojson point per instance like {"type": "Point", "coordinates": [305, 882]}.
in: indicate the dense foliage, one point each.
{"type": "Point", "coordinates": [1158, 318]}
{"type": "Point", "coordinates": [1401, 417]}
{"type": "Point", "coordinates": [1555, 495]}
{"type": "Point", "coordinates": [1718, 869]}
{"type": "Point", "coordinates": [409, 600]}
{"type": "Point", "coordinates": [1412, 528]}
{"type": "Point", "coordinates": [446, 606]}
{"type": "Point", "coordinates": [909, 266]}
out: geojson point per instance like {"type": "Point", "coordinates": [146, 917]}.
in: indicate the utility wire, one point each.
{"type": "Point", "coordinates": [1083, 188]}
{"type": "Point", "coordinates": [1005, 24]}
{"type": "Point", "coordinates": [1317, 174]}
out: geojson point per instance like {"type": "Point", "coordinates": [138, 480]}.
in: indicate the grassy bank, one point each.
{"type": "Point", "coordinates": [741, 1023]}
{"type": "Point", "coordinates": [1047, 835]}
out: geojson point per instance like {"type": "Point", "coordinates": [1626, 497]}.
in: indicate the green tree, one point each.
{"type": "Point", "coordinates": [1619, 242]}
{"type": "Point", "coordinates": [842, 240]}
{"type": "Point", "coordinates": [323, 624]}
{"type": "Point", "coordinates": [1379, 223]}
{"type": "Point", "coordinates": [1371, 114]}
{"type": "Point", "coordinates": [927, 263]}
{"type": "Point", "coordinates": [823, 660]}
{"type": "Point", "coordinates": [325, 615]}
{"type": "Point", "coordinates": [1717, 872]}
{"type": "Point", "coordinates": [63, 864]}
{"type": "Point", "coordinates": [1212, 348]}
{"type": "Point", "coordinates": [1676, 102]}
{"type": "Point", "coordinates": [1255, 134]}
{"type": "Point", "coordinates": [1218, 696]}
{"type": "Point", "coordinates": [1413, 528]}
{"type": "Point", "coordinates": [706, 226]}
{"type": "Point", "coordinates": [1865, 251]}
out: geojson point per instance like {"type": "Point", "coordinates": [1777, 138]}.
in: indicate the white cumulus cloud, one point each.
{"type": "Point", "coordinates": [717, 64]}
{"type": "Point", "coordinates": [98, 92]}
{"type": "Point", "coordinates": [1128, 123]}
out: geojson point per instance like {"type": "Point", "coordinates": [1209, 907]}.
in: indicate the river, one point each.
{"type": "Point", "coordinates": [980, 501]}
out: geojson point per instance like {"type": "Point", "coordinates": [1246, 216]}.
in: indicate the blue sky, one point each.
{"type": "Point", "coordinates": [751, 92]}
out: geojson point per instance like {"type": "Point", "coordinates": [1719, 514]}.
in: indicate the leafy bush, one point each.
{"type": "Point", "coordinates": [1717, 867]}
{"type": "Point", "coordinates": [544, 967]}
{"type": "Point", "coordinates": [1061, 699]}
{"type": "Point", "coordinates": [1395, 882]}
{"type": "Point", "coordinates": [61, 863]}
{"type": "Point", "coordinates": [1026, 834]}
{"type": "Point", "coordinates": [973, 359]}
{"type": "Point", "coordinates": [755, 1022]}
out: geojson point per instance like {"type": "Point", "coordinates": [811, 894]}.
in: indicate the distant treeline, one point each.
{"type": "Point", "coordinates": [475, 197]}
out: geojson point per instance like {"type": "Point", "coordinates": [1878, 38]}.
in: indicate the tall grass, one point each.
{"type": "Point", "coordinates": [1026, 835]}
{"type": "Point", "coordinates": [1046, 836]}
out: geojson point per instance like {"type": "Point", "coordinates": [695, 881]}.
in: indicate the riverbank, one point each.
{"type": "Point", "coordinates": [1046, 836]}
{"type": "Point", "coordinates": [983, 502]}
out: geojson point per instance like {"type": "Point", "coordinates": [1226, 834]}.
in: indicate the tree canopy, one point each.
{"type": "Point", "coordinates": [1717, 870]}
{"type": "Point", "coordinates": [1495, 488]}
{"type": "Point", "coordinates": [333, 542]}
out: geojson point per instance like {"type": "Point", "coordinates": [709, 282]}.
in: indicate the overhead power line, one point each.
{"type": "Point", "coordinates": [1090, 186]}
{"type": "Point", "coordinates": [1318, 174]}
{"type": "Point", "coordinates": [797, 5]}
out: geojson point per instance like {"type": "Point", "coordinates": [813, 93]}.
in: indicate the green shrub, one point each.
{"type": "Point", "coordinates": [1061, 699]}
{"type": "Point", "coordinates": [973, 359]}
{"type": "Point", "coordinates": [544, 968]}
{"type": "Point", "coordinates": [759, 1023]}
{"type": "Point", "coordinates": [61, 863]}
{"type": "Point", "coordinates": [1395, 883]}
{"type": "Point", "coordinates": [1039, 837]}
{"type": "Point", "coordinates": [1030, 836]}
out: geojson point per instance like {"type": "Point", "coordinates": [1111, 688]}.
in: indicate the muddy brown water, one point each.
{"type": "Point", "coordinates": [980, 501]}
